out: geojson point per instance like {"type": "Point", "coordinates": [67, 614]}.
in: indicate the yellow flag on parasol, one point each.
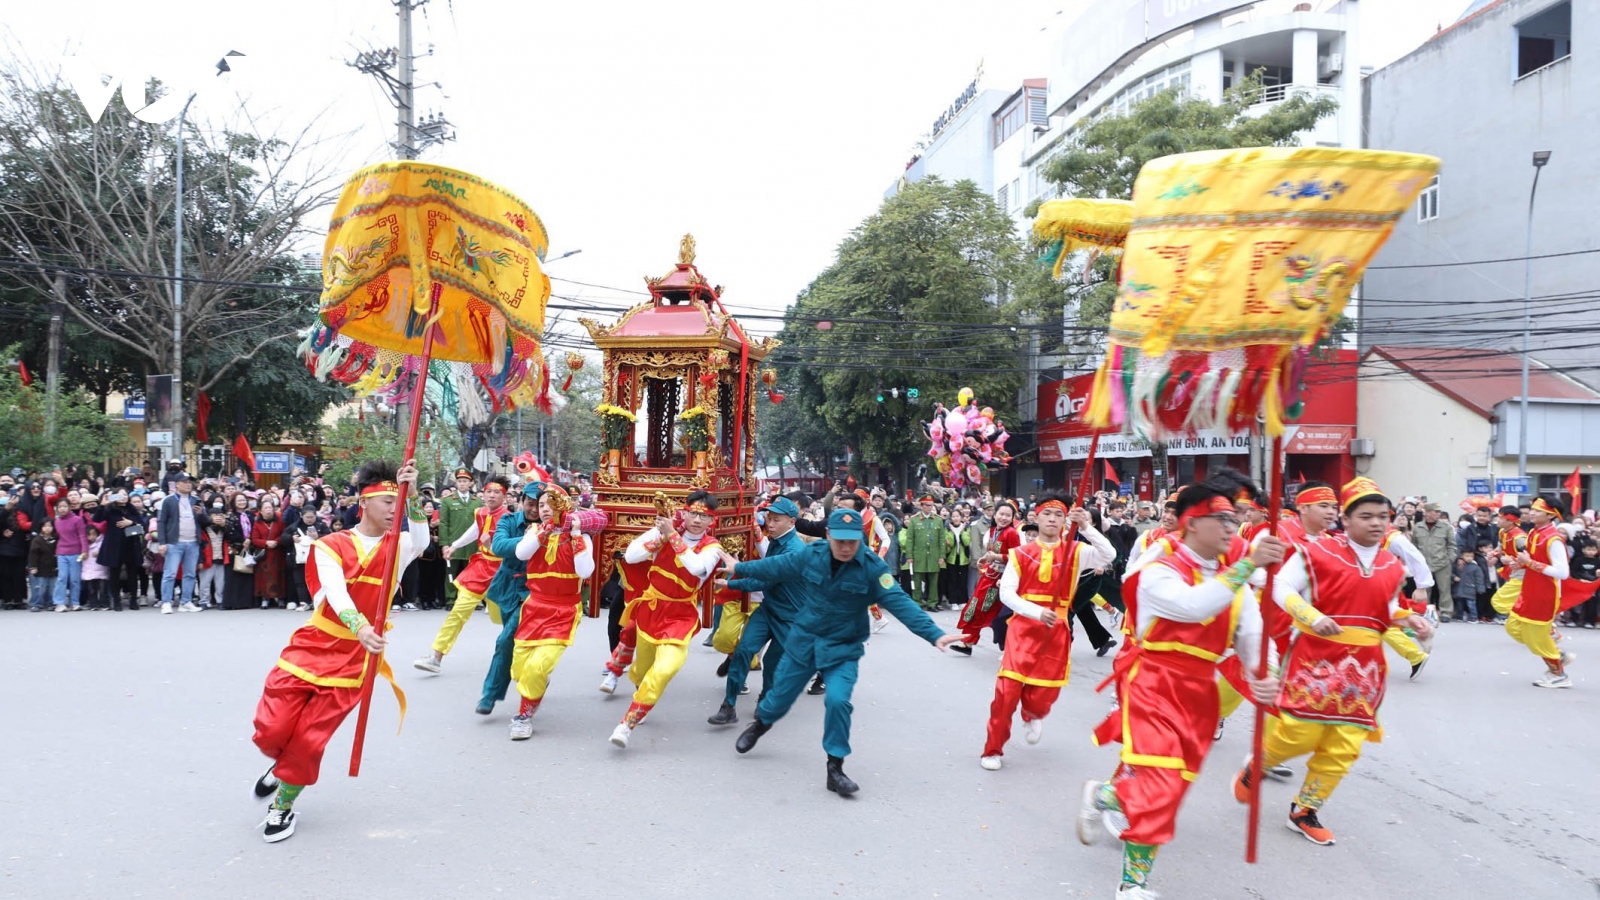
{"type": "Point", "coordinates": [1080, 223]}
{"type": "Point", "coordinates": [1237, 261]}
{"type": "Point", "coordinates": [407, 237]}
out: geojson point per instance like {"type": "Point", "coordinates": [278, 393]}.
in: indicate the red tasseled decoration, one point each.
{"type": "Point", "coordinates": [566, 384]}
{"type": "Point", "coordinates": [1177, 395]}
{"type": "Point", "coordinates": [543, 401]}
{"type": "Point", "coordinates": [775, 397]}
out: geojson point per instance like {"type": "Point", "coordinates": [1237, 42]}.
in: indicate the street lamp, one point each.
{"type": "Point", "coordinates": [1540, 157]}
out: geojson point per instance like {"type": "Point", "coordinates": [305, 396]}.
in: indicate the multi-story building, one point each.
{"type": "Point", "coordinates": [1508, 80]}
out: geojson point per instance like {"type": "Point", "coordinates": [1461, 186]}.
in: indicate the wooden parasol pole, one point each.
{"type": "Point", "coordinates": [1274, 509]}
{"type": "Point", "coordinates": [391, 572]}
{"type": "Point", "coordinates": [1083, 485]}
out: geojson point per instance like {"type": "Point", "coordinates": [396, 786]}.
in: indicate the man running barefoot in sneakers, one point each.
{"type": "Point", "coordinates": [317, 680]}
{"type": "Point", "coordinates": [1343, 593]}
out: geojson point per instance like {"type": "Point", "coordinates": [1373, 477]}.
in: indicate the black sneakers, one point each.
{"type": "Point", "coordinates": [266, 785]}
{"type": "Point", "coordinates": [962, 649]}
{"type": "Point", "coordinates": [725, 715]}
{"type": "Point", "coordinates": [838, 781]}
{"type": "Point", "coordinates": [816, 686]}
{"type": "Point", "coordinates": [280, 825]}
{"type": "Point", "coordinates": [722, 670]}
{"type": "Point", "coordinates": [747, 740]}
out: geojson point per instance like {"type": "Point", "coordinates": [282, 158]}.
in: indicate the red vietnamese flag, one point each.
{"type": "Point", "coordinates": [1574, 486]}
{"type": "Point", "coordinates": [1111, 474]}
{"type": "Point", "coordinates": [202, 412]}
{"type": "Point", "coordinates": [22, 370]}
{"type": "Point", "coordinates": [241, 450]}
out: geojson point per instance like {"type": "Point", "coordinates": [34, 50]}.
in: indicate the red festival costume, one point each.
{"type": "Point", "coordinates": [980, 611]}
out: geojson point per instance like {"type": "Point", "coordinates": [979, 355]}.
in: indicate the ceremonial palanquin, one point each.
{"type": "Point", "coordinates": [678, 413]}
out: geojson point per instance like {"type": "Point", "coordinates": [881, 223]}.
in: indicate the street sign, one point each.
{"type": "Point", "coordinates": [1126, 488]}
{"type": "Point", "coordinates": [299, 461]}
{"type": "Point", "coordinates": [1512, 485]}
{"type": "Point", "coordinates": [1479, 486]}
{"type": "Point", "coordinates": [133, 410]}
{"type": "Point", "coordinates": [158, 439]}
{"type": "Point", "coordinates": [271, 462]}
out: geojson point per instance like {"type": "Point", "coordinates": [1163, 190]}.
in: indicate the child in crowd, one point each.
{"type": "Point", "coordinates": [95, 577]}
{"type": "Point", "coordinates": [1488, 557]}
{"type": "Point", "coordinates": [1468, 582]}
{"type": "Point", "coordinates": [42, 566]}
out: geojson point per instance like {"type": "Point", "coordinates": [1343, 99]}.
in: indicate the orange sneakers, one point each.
{"type": "Point", "coordinates": [1305, 822]}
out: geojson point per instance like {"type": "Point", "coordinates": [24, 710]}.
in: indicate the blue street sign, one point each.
{"type": "Point", "coordinates": [1126, 488]}
{"type": "Point", "coordinates": [133, 410]}
{"type": "Point", "coordinates": [1512, 485]}
{"type": "Point", "coordinates": [299, 461]}
{"type": "Point", "coordinates": [1479, 486]}
{"type": "Point", "coordinates": [272, 462]}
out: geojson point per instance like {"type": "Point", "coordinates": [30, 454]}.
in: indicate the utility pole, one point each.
{"type": "Point", "coordinates": [176, 450]}
{"type": "Point", "coordinates": [411, 138]}
{"type": "Point", "coordinates": [52, 372]}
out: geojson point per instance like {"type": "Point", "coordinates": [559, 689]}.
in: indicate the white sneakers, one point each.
{"type": "Point", "coordinates": [1552, 680]}
{"type": "Point", "coordinates": [166, 609]}
{"type": "Point", "coordinates": [992, 763]}
{"type": "Point", "coordinates": [188, 607]}
{"type": "Point", "coordinates": [428, 664]}
{"type": "Point", "coordinates": [1088, 826]}
{"type": "Point", "coordinates": [279, 825]}
{"type": "Point", "coordinates": [620, 735]}
{"type": "Point", "coordinates": [878, 625]}
{"type": "Point", "coordinates": [608, 685]}
{"type": "Point", "coordinates": [1033, 730]}
{"type": "Point", "coordinates": [521, 728]}
{"type": "Point", "coordinates": [1135, 892]}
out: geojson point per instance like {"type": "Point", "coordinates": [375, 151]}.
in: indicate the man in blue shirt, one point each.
{"type": "Point", "coordinates": [836, 584]}
{"type": "Point", "coordinates": [770, 621]}
{"type": "Point", "coordinates": [507, 591]}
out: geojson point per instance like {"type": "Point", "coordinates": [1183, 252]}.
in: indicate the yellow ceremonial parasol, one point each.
{"type": "Point", "coordinates": [1082, 223]}
{"type": "Point", "coordinates": [427, 267]}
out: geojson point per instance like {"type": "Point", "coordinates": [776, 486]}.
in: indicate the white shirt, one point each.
{"type": "Point", "coordinates": [330, 570]}
{"type": "Point", "coordinates": [698, 564]}
{"type": "Point", "coordinates": [1099, 553]}
{"type": "Point", "coordinates": [1165, 594]}
{"type": "Point", "coordinates": [582, 558]}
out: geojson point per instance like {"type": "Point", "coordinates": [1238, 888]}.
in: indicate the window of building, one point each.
{"type": "Point", "coordinates": [1428, 202]}
{"type": "Point", "coordinates": [1544, 38]}
{"type": "Point", "coordinates": [1003, 196]}
{"type": "Point", "coordinates": [1037, 113]}
{"type": "Point", "coordinates": [1016, 191]}
{"type": "Point", "coordinates": [1008, 120]}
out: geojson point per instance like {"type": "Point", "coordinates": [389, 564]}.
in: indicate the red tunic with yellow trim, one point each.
{"type": "Point", "coordinates": [1540, 599]}
{"type": "Point", "coordinates": [480, 569]}
{"type": "Point", "coordinates": [1512, 540]}
{"type": "Point", "coordinates": [1169, 704]}
{"type": "Point", "coordinates": [553, 609]}
{"type": "Point", "coordinates": [665, 612]}
{"type": "Point", "coordinates": [1036, 653]}
{"type": "Point", "coordinates": [1341, 680]}
{"type": "Point", "coordinates": [323, 651]}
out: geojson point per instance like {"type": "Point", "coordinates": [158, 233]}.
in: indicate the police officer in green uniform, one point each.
{"type": "Point", "coordinates": [455, 517]}
{"type": "Point", "coordinates": [828, 635]}
{"type": "Point", "coordinates": [924, 541]}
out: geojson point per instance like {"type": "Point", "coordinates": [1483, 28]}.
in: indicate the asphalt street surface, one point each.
{"type": "Point", "coordinates": [127, 768]}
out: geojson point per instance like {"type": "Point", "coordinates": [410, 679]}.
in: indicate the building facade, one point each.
{"type": "Point", "coordinates": [1510, 78]}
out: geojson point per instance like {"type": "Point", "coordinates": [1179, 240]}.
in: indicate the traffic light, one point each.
{"type": "Point", "coordinates": [880, 398]}
{"type": "Point", "coordinates": [911, 393]}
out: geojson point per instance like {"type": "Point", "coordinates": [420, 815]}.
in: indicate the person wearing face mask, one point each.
{"type": "Point", "coordinates": [211, 579]}
{"type": "Point", "coordinates": [238, 579]}
{"type": "Point", "coordinates": [117, 548]}
{"type": "Point", "coordinates": [266, 542]}
{"type": "Point", "coordinates": [13, 554]}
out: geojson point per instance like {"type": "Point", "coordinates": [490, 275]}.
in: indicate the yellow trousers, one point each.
{"type": "Point", "coordinates": [726, 637]}
{"type": "Point", "coordinates": [653, 667]}
{"type": "Point", "coordinates": [1333, 748]}
{"type": "Point", "coordinates": [466, 602]}
{"type": "Point", "coordinates": [1533, 635]}
{"type": "Point", "coordinates": [1506, 597]}
{"type": "Point", "coordinates": [531, 665]}
{"type": "Point", "coordinates": [1404, 644]}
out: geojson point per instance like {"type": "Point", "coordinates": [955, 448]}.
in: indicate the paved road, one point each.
{"type": "Point", "coordinates": [127, 763]}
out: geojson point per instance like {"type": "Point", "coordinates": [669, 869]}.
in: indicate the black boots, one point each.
{"type": "Point", "coordinates": [747, 740]}
{"type": "Point", "coordinates": [725, 716]}
{"type": "Point", "coordinates": [838, 781]}
{"type": "Point", "coordinates": [722, 670]}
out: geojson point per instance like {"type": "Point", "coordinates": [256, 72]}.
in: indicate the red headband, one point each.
{"type": "Point", "coordinates": [1051, 504]}
{"type": "Point", "coordinates": [1547, 509]}
{"type": "Point", "coordinates": [1315, 495]}
{"type": "Point", "coordinates": [381, 489]}
{"type": "Point", "coordinates": [700, 506]}
{"type": "Point", "coordinates": [1211, 506]}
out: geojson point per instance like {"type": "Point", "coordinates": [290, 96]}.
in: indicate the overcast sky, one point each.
{"type": "Point", "coordinates": [768, 130]}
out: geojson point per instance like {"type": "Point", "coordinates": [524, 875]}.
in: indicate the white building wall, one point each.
{"type": "Point", "coordinates": [1427, 442]}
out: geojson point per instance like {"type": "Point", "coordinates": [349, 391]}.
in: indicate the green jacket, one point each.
{"type": "Point", "coordinates": [955, 547]}
{"type": "Point", "coordinates": [924, 541]}
{"type": "Point", "coordinates": [455, 517]}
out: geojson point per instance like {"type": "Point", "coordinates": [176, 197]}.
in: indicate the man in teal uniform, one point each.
{"type": "Point", "coordinates": [838, 584]}
{"type": "Point", "coordinates": [770, 621]}
{"type": "Point", "coordinates": [507, 591]}
{"type": "Point", "coordinates": [455, 517]}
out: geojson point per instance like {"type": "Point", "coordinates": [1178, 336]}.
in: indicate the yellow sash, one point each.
{"type": "Point", "coordinates": [337, 629]}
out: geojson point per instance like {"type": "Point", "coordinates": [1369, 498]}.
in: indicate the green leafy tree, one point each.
{"type": "Point", "coordinates": [84, 435]}
{"type": "Point", "coordinates": [357, 437]}
{"type": "Point", "coordinates": [1104, 159]}
{"type": "Point", "coordinates": [572, 435]}
{"type": "Point", "coordinates": [913, 298]}
{"type": "Point", "coordinates": [271, 397]}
